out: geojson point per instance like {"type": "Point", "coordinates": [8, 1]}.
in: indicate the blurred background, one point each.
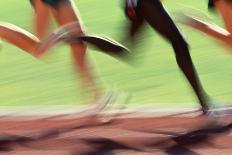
{"type": "Point", "coordinates": [155, 79]}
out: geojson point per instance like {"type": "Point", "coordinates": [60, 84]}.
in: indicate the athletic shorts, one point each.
{"type": "Point", "coordinates": [54, 3]}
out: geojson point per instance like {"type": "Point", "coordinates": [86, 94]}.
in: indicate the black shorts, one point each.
{"type": "Point", "coordinates": [53, 3]}
{"type": "Point", "coordinates": [211, 3]}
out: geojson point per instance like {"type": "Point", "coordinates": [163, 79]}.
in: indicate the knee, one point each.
{"type": "Point", "coordinates": [74, 29]}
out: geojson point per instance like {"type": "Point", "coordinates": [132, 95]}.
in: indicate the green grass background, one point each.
{"type": "Point", "coordinates": [155, 79]}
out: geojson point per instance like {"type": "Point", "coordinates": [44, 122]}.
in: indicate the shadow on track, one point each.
{"type": "Point", "coordinates": [184, 142]}
{"type": "Point", "coordinates": [104, 146]}
{"type": "Point", "coordinates": [7, 141]}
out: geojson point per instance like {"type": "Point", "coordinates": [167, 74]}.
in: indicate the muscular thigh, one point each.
{"type": "Point", "coordinates": [224, 7]}
{"type": "Point", "coordinates": [155, 14]}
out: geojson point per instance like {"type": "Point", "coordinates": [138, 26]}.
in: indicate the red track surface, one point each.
{"type": "Point", "coordinates": [124, 136]}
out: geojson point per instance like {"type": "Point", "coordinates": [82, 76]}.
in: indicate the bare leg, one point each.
{"type": "Point", "coordinates": [18, 37]}
{"type": "Point", "coordinates": [154, 13]}
{"type": "Point", "coordinates": [65, 14]}
{"type": "Point", "coordinates": [225, 9]}
{"type": "Point", "coordinates": [207, 28]}
{"type": "Point", "coordinates": [23, 39]}
{"type": "Point", "coordinates": [213, 30]}
{"type": "Point", "coordinates": [42, 18]}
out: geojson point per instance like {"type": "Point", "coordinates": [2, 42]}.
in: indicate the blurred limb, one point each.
{"type": "Point", "coordinates": [223, 35]}
{"type": "Point", "coordinates": [211, 5]}
{"type": "Point", "coordinates": [208, 28]}
{"type": "Point", "coordinates": [42, 18]}
{"type": "Point", "coordinates": [158, 18]}
{"type": "Point", "coordinates": [71, 31]}
{"type": "Point", "coordinates": [102, 44]}
{"type": "Point", "coordinates": [62, 34]}
{"type": "Point", "coordinates": [18, 37]}
{"type": "Point", "coordinates": [224, 7]}
{"type": "Point", "coordinates": [22, 38]}
{"type": "Point", "coordinates": [135, 24]}
{"type": "Point", "coordinates": [67, 13]}
{"type": "Point", "coordinates": [135, 27]}
{"type": "Point", "coordinates": [134, 30]}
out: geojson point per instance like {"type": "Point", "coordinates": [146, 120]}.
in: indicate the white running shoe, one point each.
{"type": "Point", "coordinates": [110, 105]}
{"type": "Point", "coordinates": [220, 116]}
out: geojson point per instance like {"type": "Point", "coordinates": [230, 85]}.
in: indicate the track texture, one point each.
{"type": "Point", "coordinates": [137, 135]}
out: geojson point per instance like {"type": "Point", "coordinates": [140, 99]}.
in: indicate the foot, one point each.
{"type": "Point", "coordinates": [108, 46]}
{"type": "Point", "coordinates": [100, 103]}
{"type": "Point", "coordinates": [219, 116]}
{"type": "Point", "coordinates": [192, 21]}
{"type": "Point", "coordinates": [112, 103]}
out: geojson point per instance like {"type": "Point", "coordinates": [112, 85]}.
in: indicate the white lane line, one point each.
{"type": "Point", "coordinates": [154, 110]}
